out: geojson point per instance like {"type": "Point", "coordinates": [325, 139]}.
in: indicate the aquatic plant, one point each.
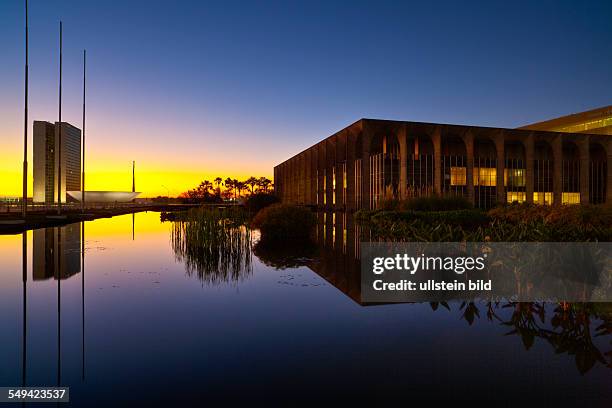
{"type": "Point", "coordinates": [570, 328]}
{"type": "Point", "coordinates": [213, 243]}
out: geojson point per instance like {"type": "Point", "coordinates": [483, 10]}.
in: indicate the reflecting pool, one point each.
{"type": "Point", "coordinates": [130, 309]}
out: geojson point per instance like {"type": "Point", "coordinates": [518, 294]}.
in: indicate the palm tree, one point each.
{"type": "Point", "coordinates": [218, 181]}
{"type": "Point", "coordinates": [251, 181]}
{"type": "Point", "coordinates": [205, 187]}
{"type": "Point", "coordinates": [237, 188]}
{"type": "Point", "coordinates": [264, 183]}
{"type": "Point", "coordinates": [240, 185]}
{"type": "Point", "coordinates": [229, 185]}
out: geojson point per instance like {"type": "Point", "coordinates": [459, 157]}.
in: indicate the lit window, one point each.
{"type": "Point", "coordinates": [324, 186]}
{"type": "Point", "coordinates": [544, 198]}
{"type": "Point", "coordinates": [485, 176]}
{"type": "Point", "coordinates": [570, 198]}
{"type": "Point", "coordinates": [458, 176]}
{"type": "Point", "coordinates": [334, 185]}
{"type": "Point", "coordinates": [514, 177]}
{"type": "Point", "coordinates": [515, 196]}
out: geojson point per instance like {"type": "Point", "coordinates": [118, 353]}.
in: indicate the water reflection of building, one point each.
{"type": "Point", "coordinates": [339, 262]}
{"type": "Point", "coordinates": [56, 252]}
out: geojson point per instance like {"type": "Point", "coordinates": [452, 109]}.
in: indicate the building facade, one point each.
{"type": "Point", "coordinates": [372, 160]}
{"type": "Point", "coordinates": [597, 121]}
{"type": "Point", "coordinates": [46, 144]}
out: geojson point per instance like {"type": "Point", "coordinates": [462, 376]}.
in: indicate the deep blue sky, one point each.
{"type": "Point", "coordinates": [240, 86]}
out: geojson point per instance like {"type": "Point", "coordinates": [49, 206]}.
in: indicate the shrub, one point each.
{"type": "Point", "coordinates": [513, 223]}
{"type": "Point", "coordinates": [390, 204]}
{"type": "Point", "coordinates": [259, 201]}
{"type": "Point", "coordinates": [284, 222]}
{"type": "Point", "coordinates": [436, 203]}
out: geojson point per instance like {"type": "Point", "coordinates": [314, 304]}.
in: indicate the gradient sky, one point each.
{"type": "Point", "coordinates": [192, 89]}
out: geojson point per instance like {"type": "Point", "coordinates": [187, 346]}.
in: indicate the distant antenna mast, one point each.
{"type": "Point", "coordinates": [83, 164]}
{"type": "Point", "coordinates": [59, 141]}
{"type": "Point", "coordinates": [25, 121]}
{"type": "Point", "coordinates": [133, 178]}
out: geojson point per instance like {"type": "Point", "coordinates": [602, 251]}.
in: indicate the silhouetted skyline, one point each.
{"type": "Point", "coordinates": [192, 90]}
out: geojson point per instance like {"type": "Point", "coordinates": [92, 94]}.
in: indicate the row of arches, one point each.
{"type": "Point", "coordinates": [361, 167]}
{"type": "Point", "coordinates": [514, 178]}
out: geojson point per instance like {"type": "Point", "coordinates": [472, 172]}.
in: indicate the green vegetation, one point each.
{"type": "Point", "coordinates": [258, 201]}
{"type": "Point", "coordinates": [569, 328]}
{"type": "Point", "coordinates": [515, 222]}
{"type": "Point", "coordinates": [280, 222]}
{"type": "Point", "coordinates": [432, 203]}
{"type": "Point", "coordinates": [213, 243]}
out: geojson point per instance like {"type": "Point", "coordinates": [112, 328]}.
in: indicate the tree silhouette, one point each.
{"type": "Point", "coordinates": [251, 181]}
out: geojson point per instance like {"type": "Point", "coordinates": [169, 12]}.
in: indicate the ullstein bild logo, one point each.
{"type": "Point", "coordinates": [515, 271]}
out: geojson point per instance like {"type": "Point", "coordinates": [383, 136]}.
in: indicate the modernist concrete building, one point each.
{"type": "Point", "coordinates": [46, 138]}
{"type": "Point", "coordinates": [597, 121]}
{"type": "Point", "coordinates": [372, 159]}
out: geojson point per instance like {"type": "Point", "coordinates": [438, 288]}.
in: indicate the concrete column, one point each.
{"type": "Point", "coordinates": [329, 160]}
{"type": "Point", "coordinates": [557, 148]}
{"type": "Point", "coordinates": [529, 164]}
{"type": "Point", "coordinates": [307, 178]}
{"type": "Point", "coordinates": [585, 159]}
{"type": "Point", "coordinates": [468, 139]}
{"type": "Point", "coordinates": [321, 168]}
{"type": "Point", "coordinates": [313, 175]}
{"type": "Point", "coordinates": [365, 160]}
{"type": "Point", "coordinates": [350, 171]}
{"type": "Point", "coordinates": [501, 166]}
{"type": "Point", "coordinates": [436, 139]}
{"type": "Point", "coordinates": [401, 137]}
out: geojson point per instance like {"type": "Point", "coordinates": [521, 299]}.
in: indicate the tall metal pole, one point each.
{"type": "Point", "coordinates": [83, 299]}
{"type": "Point", "coordinates": [25, 121]}
{"type": "Point", "coordinates": [133, 179]}
{"type": "Point", "coordinates": [83, 163]}
{"type": "Point", "coordinates": [59, 141]}
{"type": "Point", "coordinates": [59, 305]}
{"type": "Point", "coordinates": [24, 278]}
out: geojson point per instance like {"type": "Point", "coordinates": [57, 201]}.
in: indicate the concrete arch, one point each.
{"type": "Point", "coordinates": [598, 173]}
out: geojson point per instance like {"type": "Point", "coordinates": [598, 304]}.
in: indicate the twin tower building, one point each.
{"type": "Point", "coordinates": [49, 165]}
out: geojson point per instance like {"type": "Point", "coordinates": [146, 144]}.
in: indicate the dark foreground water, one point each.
{"type": "Point", "coordinates": [138, 318]}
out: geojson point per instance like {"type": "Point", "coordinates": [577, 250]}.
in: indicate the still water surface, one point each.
{"type": "Point", "coordinates": [135, 317]}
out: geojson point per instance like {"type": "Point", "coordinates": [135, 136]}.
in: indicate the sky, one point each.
{"type": "Point", "coordinates": [192, 90]}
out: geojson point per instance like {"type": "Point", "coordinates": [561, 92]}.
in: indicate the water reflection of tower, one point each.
{"type": "Point", "coordinates": [56, 252]}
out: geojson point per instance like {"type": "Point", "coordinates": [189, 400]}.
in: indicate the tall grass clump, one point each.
{"type": "Point", "coordinates": [214, 244]}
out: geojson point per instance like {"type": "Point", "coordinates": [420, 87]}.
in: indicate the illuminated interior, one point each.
{"type": "Point", "coordinates": [583, 127]}
{"type": "Point", "coordinates": [544, 198]}
{"type": "Point", "coordinates": [485, 176]}
{"type": "Point", "coordinates": [570, 198]}
{"type": "Point", "coordinates": [516, 196]}
{"type": "Point", "coordinates": [458, 176]}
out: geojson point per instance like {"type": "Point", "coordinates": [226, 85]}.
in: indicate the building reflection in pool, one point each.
{"type": "Point", "coordinates": [569, 328]}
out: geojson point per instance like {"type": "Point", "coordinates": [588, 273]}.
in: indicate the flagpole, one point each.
{"type": "Point", "coordinates": [59, 141]}
{"type": "Point", "coordinates": [83, 164]}
{"type": "Point", "coordinates": [25, 122]}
